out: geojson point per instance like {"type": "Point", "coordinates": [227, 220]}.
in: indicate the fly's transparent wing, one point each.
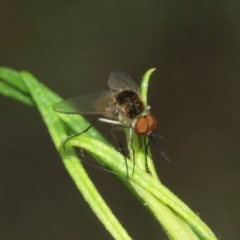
{"type": "Point", "coordinates": [119, 80]}
{"type": "Point", "coordinates": [93, 103]}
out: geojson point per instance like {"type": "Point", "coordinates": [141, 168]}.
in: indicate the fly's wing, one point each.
{"type": "Point", "coordinates": [119, 80]}
{"type": "Point", "coordinates": [93, 103]}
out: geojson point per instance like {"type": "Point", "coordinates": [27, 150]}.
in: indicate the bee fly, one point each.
{"type": "Point", "coordinates": [122, 105]}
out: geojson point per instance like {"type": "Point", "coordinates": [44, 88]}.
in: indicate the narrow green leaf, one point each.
{"type": "Point", "coordinates": [70, 160]}
{"type": "Point", "coordinates": [153, 188]}
{"type": "Point", "coordinates": [144, 85]}
{"type": "Point", "coordinates": [13, 78]}
{"type": "Point", "coordinates": [9, 91]}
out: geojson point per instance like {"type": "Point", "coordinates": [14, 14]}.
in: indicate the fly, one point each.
{"type": "Point", "coordinates": [122, 105]}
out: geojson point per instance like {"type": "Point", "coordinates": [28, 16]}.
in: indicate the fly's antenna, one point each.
{"type": "Point", "coordinates": [150, 136]}
{"type": "Point", "coordinates": [78, 134]}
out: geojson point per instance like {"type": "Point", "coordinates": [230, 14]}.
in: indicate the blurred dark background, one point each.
{"type": "Point", "coordinates": [72, 46]}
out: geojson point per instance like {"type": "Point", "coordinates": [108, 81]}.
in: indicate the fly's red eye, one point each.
{"type": "Point", "coordinates": [145, 125]}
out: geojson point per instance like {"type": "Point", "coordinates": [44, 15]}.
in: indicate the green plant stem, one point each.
{"type": "Point", "coordinates": [154, 192]}
{"type": "Point", "coordinates": [178, 221]}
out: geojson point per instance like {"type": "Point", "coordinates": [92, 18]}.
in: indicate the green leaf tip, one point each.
{"type": "Point", "coordinates": [144, 84]}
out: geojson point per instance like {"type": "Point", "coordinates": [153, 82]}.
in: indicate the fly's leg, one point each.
{"type": "Point", "coordinates": [122, 149]}
{"type": "Point", "coordinates": [131, 146]}
{"type": "Point", "coordinates": [78, 134]}
{"type": "Point", "coordinates": [146, 146]}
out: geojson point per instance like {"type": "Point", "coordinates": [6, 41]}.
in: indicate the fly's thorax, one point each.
{"type": "Point", "coordinates": [128, 105]}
